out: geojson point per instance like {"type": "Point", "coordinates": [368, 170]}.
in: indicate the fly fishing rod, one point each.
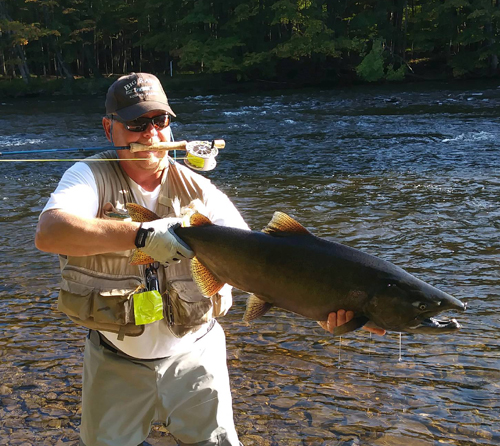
{"type": "Point", "coordinates": [200, 155]}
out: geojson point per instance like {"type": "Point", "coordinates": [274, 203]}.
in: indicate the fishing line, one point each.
{"type": "Point", "coordinates": [340, 349]}
{"type": "Point", "coordinates": [200, 154]}
{"type": "Point", "coordinates": [400, 356]}
{"type": "Point", "coordinates": [70, 149]}
{"type": "Point", "coordinates": [370, 344]}
{"type": "Point", "coordinates": [75, 159]}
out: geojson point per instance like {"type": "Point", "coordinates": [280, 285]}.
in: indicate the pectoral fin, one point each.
{"type": "Point", "coordinates": [140, 258]}
{"type": "Point", "coordinates": [140, 213]}
{"type": "Point", "coordinates": [256, 307]}
{"type": "Point", "coordinates": [352, 325]}
{"type": "Point", "coordinates": [207, 283]}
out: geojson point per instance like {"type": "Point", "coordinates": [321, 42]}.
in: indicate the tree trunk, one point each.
{"type": "Point", "coordinates": [22, 65]}
{"type": "Point", "coordinates": [90, 61]}
{"type": "Point", "coordinates": [62, 67]}
{"type": "Point", "coordinates": [42, 52]}
{"type": "Point", "coordinates": [405, 30]}
{"type": "Point", "coordinates": [494, 64]}
{"type": "Point", "coordinates": [112, 56]}
{"type": "Point", "coordinates": [19, 50]}
{"type": "Point", "coordinates": [494, 57]}
{"type": "Point", "coordinates": [2, 64]}
{"type": "Point", "coordinates": [124, 66]}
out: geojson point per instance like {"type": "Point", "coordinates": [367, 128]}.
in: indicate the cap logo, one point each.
{"type": "Point", "coordinates": [133, 91]}
{"type": "Point", "coordinates": [129, 86]}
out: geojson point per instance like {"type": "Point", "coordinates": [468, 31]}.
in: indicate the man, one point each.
{"type": "Point", "coordinates": [141, 366]}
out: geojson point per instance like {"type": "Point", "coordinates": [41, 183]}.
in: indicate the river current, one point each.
{"type": "Point", "coordinates": [410, 174]}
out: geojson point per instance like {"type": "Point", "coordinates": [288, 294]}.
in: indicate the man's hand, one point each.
{"type": "Point", "coordinates": [162, 243]}
{"type": "Point", "coordinates": [341, 317]}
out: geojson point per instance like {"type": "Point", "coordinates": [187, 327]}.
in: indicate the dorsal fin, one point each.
{"type": "Point", "coordinates": [282, 224]}
{"type": "Point", "coordinates": [140, 213]}
{"type": "Point", "coordinates": [198, 219]}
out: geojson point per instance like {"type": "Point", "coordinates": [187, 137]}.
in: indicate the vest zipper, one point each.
{"type": "Point", "coordinates": [169, 313]}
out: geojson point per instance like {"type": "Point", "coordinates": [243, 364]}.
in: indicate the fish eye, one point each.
{"type": "Point", "coordinates": [420, 305]}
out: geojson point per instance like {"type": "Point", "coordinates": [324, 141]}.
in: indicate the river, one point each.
{"type": "Point", "coordinates": [409, 173]}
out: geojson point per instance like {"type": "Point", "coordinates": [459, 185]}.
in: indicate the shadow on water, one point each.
{"type": "Point", "coordinates": [410, 176]}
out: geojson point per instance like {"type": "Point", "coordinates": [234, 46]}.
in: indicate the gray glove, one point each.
{"type": "Point", "coordinates": [162, 244]}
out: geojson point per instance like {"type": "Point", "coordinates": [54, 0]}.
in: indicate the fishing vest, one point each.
{"type": "Point", "coordinates": [97, 291]}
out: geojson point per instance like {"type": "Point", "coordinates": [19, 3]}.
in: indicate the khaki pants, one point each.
{"type": "Point", "coordinates": [189, 392]}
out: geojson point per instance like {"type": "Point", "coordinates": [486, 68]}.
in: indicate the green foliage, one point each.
{"type": "Point", "coordinates": [214, 55]}
{"type": "Point", "coordinates": [393, 75]}
{"type": "Point", "coordinates": [313, 38]}
{"type": "Point", "coordinates": [371, 69]}
{"type": "Point", "coordinates": [374, 68]}
{"type": "Point", "coordinates": [249, 38]}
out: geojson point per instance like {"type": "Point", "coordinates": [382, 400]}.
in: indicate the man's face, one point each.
{"type": "Point", "coordinates": [150, 135]}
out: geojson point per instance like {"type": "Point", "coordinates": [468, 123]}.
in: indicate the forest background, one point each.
{"type": "Point", "coordinates": [78, 46]}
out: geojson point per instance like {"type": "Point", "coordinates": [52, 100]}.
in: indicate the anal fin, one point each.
{"type": "Point", "coordinates": [207, 283]}
{"type": "Point", "coordinates": [256, 307]}
{"type": "Point", "coordinates": [352, 325]}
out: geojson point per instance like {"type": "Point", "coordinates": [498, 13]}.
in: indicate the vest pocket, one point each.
{"type": "Point", "coordinates": [99, 301]}
{"type": "Point", "coordinates": [188, 317]}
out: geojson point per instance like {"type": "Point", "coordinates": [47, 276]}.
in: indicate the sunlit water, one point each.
{"type": "Point", "coordinates": [411, 176]}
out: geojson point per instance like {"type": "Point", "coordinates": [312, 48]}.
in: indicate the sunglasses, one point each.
{"type": "Point", "coordinates": [141, 124]}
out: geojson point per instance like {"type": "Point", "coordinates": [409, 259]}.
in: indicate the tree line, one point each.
{"type": "Point", "coordinates": [249, 39]}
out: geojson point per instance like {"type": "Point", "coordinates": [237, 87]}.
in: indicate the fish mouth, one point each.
{"type": "Point", "coordinates": [441, 325]}
{"type": "Point", "coordinates": [434, 325]}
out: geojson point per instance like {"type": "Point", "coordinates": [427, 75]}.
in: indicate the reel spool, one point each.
{"type": "Point", "coordinates": [201, 154]}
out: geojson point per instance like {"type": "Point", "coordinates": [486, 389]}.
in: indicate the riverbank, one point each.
{"type": "Point", "coordinates": [184, 83]}
{"type": "Point", "coordinates": [203, 84]}
{"type": "Point", "coordinates": [51, 86]}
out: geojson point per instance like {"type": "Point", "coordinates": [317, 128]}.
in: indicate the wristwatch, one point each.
{"type": "Point", "coordinates": [141, 236]}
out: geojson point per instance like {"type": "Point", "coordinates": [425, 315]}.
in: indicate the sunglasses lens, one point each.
{"type": "Point", "coordinates": [134, 126]}
{"type": "Point", "coordinates": [162, 121]}
{"type": "Point", "coordinates": [141, 124]}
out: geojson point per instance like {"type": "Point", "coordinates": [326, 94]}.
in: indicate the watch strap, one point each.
{"type": "Point", "coordinates": [141, 236]}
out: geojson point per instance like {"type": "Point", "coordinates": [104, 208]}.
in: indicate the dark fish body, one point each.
{"type": "Point", "coordinates": [297, 272]}
{"type": "Point", "coordinates": [313, 277]}
{"type": "Point", "coordinates": [288, 267]}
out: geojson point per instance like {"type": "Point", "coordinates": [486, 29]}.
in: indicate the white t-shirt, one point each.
{"type": "Point", "coordinates": [77, 194]}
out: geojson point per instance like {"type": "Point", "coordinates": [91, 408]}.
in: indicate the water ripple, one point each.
{"type": "Point", "coordinates": [410, 176]}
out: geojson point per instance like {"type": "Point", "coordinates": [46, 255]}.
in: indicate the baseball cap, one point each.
{"type": "Point", "coordinates": [135, 94]}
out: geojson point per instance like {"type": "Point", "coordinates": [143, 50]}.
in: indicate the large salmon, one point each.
{"type": "Point", "coordinates": [288, 267]}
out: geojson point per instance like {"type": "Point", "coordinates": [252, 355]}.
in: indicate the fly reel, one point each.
{"type": "Point", "coordinates": [201, 154]}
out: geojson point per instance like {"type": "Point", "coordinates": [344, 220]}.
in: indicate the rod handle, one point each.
{"type": "Point", "coordinates": [176, 145]}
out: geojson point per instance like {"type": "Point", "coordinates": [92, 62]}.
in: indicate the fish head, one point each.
{"type": "Point", "coordinates": [404, 303]}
